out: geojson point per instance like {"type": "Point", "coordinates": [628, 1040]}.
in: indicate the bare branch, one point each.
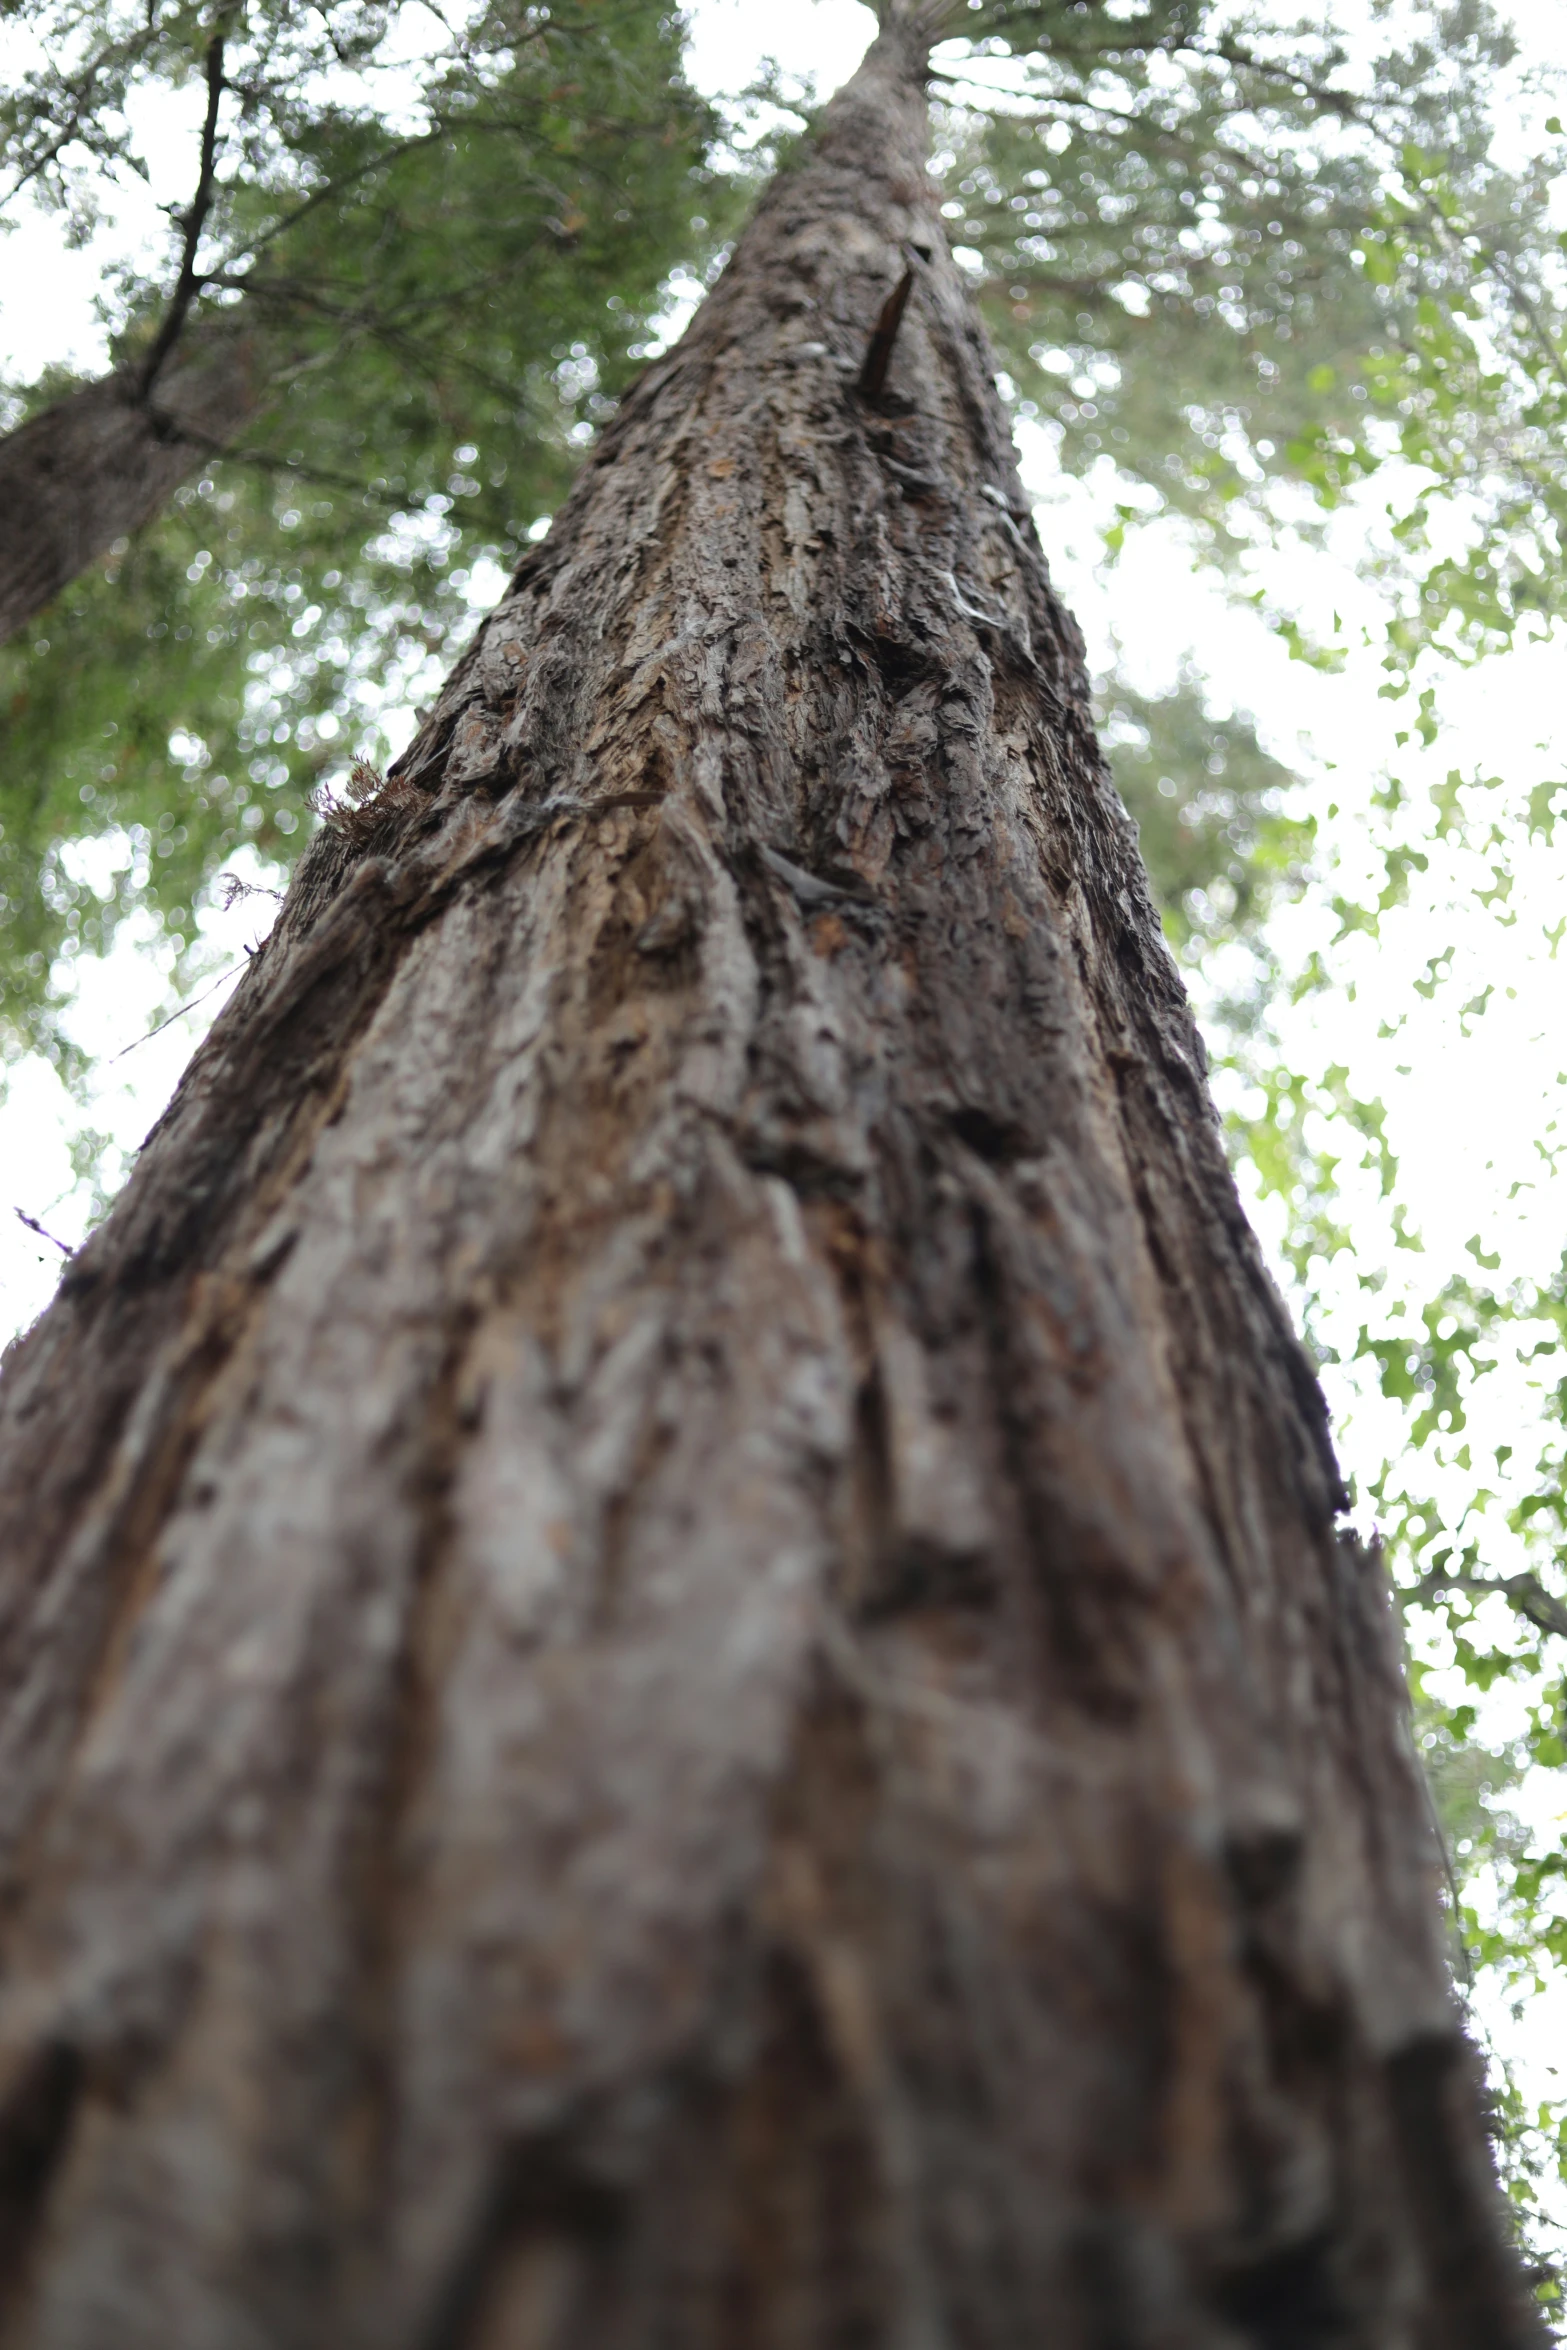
{"type": "Point", "coordinates": [44, 1233]}
{"type": "Point", "coordinates": [188, 284]}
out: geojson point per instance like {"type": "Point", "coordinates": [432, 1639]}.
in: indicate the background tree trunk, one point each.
{"type": "Point", "coordinates": [106, 459]}
{"type": "Point", "coordinates": [674, 1667]}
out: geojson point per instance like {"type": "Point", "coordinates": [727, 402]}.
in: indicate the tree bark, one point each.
{"type": "Point", "coordinates": [675, 1668]}
{"type": "Point", "coordinates": [106, 459]}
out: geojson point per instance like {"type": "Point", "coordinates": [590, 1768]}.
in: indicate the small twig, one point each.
{"type": "Point", "coordinates": [878, 357]}
{"type": "Point", "coordinates": [235, 889]}
{"type": "Point", "coordinates": [388, 501]}
{"type": "Point", "coordinates": [1434, 1818]}
{"type": "Point", "coordinates": [78, 101]}
{"type": "Point", "coordinates": [43, 1232]}
{"type": "Point", "coordinates": [187, 284]}
{"type": "Point", "coordinates": [177, 1014]}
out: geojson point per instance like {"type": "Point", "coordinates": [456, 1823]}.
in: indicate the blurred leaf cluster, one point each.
{"type": "Point", "coordinates": [1235, 263]}
{"type": "Point", "coordinates": [1474, 1524]}
{"type": "Point", "coordinates": [1249, 262]}
{"type": "Point", "coordinates": [1221, 825]}
{"type": "Point", "coordinates": [448, 265]}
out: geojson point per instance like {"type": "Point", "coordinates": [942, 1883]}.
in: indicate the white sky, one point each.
{"type": "Point", "coordinates": [1467, 1114]}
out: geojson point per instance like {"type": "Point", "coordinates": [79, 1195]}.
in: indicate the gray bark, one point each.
{"type": "Point", "coordinates": [106, 459]}
{"type": "Point", "coordinates": [674, 1663]}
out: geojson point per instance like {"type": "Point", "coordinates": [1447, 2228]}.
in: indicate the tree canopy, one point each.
{"type": "Point", "coordinates": [1224, 255]}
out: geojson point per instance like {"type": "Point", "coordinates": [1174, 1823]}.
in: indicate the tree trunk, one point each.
{"type": "Point", "coordinates": [675, 1669]}
{"type": "Point", "coordinates": [106, 459]}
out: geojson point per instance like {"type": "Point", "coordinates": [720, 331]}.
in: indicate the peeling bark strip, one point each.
{"type": "Point", "coordinates": [878, 356]}
{"type": "Point", "coordinates": [103, 461]}
{"type": "Point", "coordinates": [674, 1668]}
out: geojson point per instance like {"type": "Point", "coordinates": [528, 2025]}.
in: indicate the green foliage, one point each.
{"type": "Point", "coordinates": [1238, 259]}
{"type": "Point", "coordinates": [1475, 1526]}
{"type": "Point", "coordinates": [179, 702]}
{"type": "Point", "coordinates": [447, 275]}
{"type": "Point", "coordinates": [1476, 1544]}
{"type": "Point", "coordinates": [1169, 272]}
{"type": "Point", "coordinates": [1489, 1850]}
{"type": "Point", "coordinates": [1217, 822]}
{"type": "Point", "coordinates": [1221, 256]}
{"type": "Point", "coordinates": [1475, 386]}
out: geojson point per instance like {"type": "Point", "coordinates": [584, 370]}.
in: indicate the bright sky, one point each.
{"type": "Point", "coordinates": [1467, 1112]}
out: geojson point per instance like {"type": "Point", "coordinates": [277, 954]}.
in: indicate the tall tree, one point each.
{"type": "Point", "coordinates": [675, 1664]}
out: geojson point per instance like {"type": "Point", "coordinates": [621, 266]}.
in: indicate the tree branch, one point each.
{"type": "Point", "coordinates": [1349, 109]}
{"type": "Point", "coordinates": [442, 126]}
{"type": "Point", "coordinates": [926, 19]}
{"type": "Point", "coordinates": [1122, 33]}
{"type": "Point", "coordinates": [72, 103]}
{"type": "Point", "coordinates": [188, 284]}
{"type": "Point", "coordinates": [1526, 1592]}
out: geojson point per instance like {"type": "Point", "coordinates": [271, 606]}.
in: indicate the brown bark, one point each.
{"type": "Point", "coordinates": [674, 1666]}
{"type": "Point", "coordinates": [106, 459]}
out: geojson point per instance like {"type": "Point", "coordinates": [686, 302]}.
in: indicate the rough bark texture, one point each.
{"type": "Point", "coordinates": [106, 459]}
{"type": "Point", "coordinates": [675, 1669]}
